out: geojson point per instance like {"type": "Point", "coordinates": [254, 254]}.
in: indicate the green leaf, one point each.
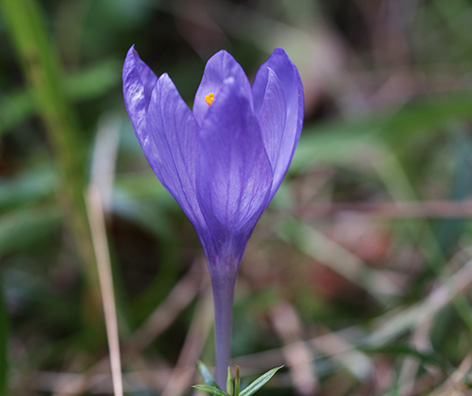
{"type": "Point", "coordinates": [337, 141]}
{"type": "Point", "coordinates": [87, 83]}
{"type": "Point", "coordinates": [211, 389]}
{"type": "Point", "coordinates": [38, 182]}
{"type": "Point", "coordinates": [20, 228]}
{"type": "Point", "coordinates": [206, 375]}
{"type": "Point", "coordinates": [229, 382]}
{"type": "Point", "coordinates": [260, 382]}
{"type": "Point", "coordinates": [430, 357]}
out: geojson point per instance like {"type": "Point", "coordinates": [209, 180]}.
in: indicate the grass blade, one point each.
{"type": "Point", "coordinates": [206, 375]}
{"type": "Point", "coordinates": [259, 382]}
{"type": "Point", "coordinates": [211, 389]}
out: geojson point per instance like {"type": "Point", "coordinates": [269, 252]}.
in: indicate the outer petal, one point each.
{"type": "Point", "coordinates": [272, 119]}
{"type": "Point", "coordinates": [235, 176]}
{"type": "Point", "coordinates": [278, 87]}
{"type": "Point", "coordinates": [138, 83]}
{"type": "Point", "coordinates": [171, 146]}
{"type": "Point", "coordinates": [167, 132]}
{"type": "Point", "coordinates": [218, 68]}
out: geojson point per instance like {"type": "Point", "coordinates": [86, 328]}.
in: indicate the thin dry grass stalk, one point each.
{"type": "Point", "coordinates": [100, 244]}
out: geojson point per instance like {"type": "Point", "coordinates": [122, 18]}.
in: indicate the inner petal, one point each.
{"type": "Point", "coordinates": [220, 68]}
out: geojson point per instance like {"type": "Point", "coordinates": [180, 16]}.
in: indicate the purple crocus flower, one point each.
{"type": "Point", "coordinates": [224, 161]}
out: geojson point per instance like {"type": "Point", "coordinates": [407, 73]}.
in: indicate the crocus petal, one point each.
{"type": "Point", "coordinates": [219, 67]}
{"type": "Point", "coordinates": [170, 144]}
{"type": "Point", "coordinates": [138, 83]}
{"type": "Point", "coordinates": [235, 175]}
{"type": "Point", "coordinates": [277, 83]}
{"type": "Point", "coordinates": [272, 121]}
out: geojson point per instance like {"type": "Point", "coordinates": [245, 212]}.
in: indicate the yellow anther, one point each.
{"type": "Point", "coordinates": [210, 98]}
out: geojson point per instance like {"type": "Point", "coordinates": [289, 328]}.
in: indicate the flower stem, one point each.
{"type": "Point", "coordinates": [223, 291]}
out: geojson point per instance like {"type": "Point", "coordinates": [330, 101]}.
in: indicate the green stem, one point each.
{"type": "Point", "coordinates": [41, 69]}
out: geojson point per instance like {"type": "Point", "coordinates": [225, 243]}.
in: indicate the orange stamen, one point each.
{"type": "Point", "coordinates": [210, 98]}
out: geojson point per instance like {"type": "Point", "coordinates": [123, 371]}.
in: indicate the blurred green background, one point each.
{"type": "Point", "coordinates": [357, 276]}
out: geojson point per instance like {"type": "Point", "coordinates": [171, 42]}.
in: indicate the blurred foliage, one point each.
{"type": "Point", "coordinates": [356, 278]}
